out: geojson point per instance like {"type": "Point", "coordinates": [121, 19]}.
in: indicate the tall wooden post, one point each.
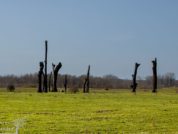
{"type": "Point", "coordinates": [45, 75]}
{"type": "Point", "coordinates": [134, 84]}
{"type": "Point", "coordinates": [88, 78]}
{"type": "Point", "coordinates": [65, 83]}
{"type": "Point", "coordinates": [154, 75]}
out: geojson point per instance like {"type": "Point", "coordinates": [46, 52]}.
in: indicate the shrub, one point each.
{"type": "Point", "coordinates": [11, 88]}
{"type": "Point", "coordinates": [106, 89]}
{"type": "Point", "coordinates": [74, 90]}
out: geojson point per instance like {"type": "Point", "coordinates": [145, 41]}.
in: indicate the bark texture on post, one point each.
{"type": "Point", "coordinates": [134, 84]}
{"type": "Point", "coordinates": [46, 62]}
{"type": "Point", "coordinates": [55, 74]}
{"type": "Point", "coordinates": [40, 77]}
{"type": "Point", "coordinates": [86, 86]}
{"type": "Point", "coordinates": [49, 84]}
{"type": "Point", "coordinates": [65, 83]}
{"type": "Point", "coordinates": [154, 75]}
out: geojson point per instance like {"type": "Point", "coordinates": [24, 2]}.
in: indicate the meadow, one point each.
{"type": "Point", "coordinates": [100, 112]}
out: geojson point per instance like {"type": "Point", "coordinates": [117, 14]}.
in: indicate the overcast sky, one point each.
{"type": "Point", "coordinates": [110, 35]}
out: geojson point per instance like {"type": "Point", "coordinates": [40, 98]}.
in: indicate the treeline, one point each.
{"type": "Point", "coordinates": [105, 82]}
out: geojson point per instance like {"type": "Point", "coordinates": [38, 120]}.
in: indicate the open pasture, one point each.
{"type": "Point", "coordinates": [113, 111]}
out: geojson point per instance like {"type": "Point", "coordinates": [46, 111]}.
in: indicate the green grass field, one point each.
{"type": "Point", "coordinates": [97, 112]}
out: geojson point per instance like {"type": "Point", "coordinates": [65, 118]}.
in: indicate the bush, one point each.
{"type": "Point", "coordinates": [74, 90]}
{"type": "Point", "coordinates": [106, 89]}
{"type": "Point", "coordinates": [11, 88]}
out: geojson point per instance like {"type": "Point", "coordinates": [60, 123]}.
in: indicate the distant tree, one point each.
{"type": "Point", "coordinates": [111, 81]}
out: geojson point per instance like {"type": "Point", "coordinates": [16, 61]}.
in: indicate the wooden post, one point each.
{"type": "Point", "coordinates": [45, 75]}
{"type": "Point", "coordinates": [65, 83]}
{"type": "Point", "coordinates": [88, 79]}
{"type": "Point", "coordinates": [55, 73]}
{"type": "Point", "coordinates": [154, 75]}
{"type": "Point", "coordinates": [134, 84]}
{"type": "Point", "coordinates": [49, 84]}
{"type": "Point", "coordinates": [86, 86]}
{"type": "Point", "coordinates": [40, 77]}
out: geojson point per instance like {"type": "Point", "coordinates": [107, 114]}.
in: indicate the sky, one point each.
{"type": "Point", "coordinates": [110, 35]}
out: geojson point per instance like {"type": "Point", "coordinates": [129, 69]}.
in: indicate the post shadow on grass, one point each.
{"type": "Point", "coordinates": [86, 86]}
{"type": "Point", "coordinates": [55, 75]}
{"type": "Point", "coordinates": [134, 76]}
{"type": "Point", "coordinates": [40, 77]}
{"type": "Point", "coordinates": [154, 62]}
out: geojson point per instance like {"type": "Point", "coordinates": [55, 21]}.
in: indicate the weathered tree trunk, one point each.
{"type": "Point", "coordinates": [134, 84]}
{"type": "Point", "coordinates": [154, 75]}
{"type": "Point", "coordinates": [65, 83]}
{"type": "Point", "coordinates": [86, 86]}
{"type": "Point", "coordinates": [49, 84]}
{"type": "Point", "coordinates": [45, 75]}
{"type": "Point", "coordinates": [40, 77]}
{"type": "Point", "coordinates": [55, 73]}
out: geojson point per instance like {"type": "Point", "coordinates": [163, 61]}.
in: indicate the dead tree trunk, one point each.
{"type": "Point", "coordinates": [154, 75]}
{"type": "Point", "coordinates": [40, 77]}
{"type": "Point", "coordinates": [65, 83]}
{"type": "Point", "coordinates": [49, 84]}
{"type": "Point", "coordinates": [55, 73]}
{"type": "Point", "coordinates": [86, 86]}
{"type": "Point", "coordinates": [45, 75]}
{"type": "Point", "coordinates": [134, 84]}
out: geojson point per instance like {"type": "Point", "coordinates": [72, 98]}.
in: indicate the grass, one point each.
{"type": "Point", "coordinates": [98, 112]}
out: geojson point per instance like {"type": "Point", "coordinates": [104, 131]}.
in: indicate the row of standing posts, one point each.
{"type": "Point", "coordinates": [43, 76]}
{"type": "Point", "coordinates": [134, 76]}
{"type": "Point", "coordinates": [44, 84]}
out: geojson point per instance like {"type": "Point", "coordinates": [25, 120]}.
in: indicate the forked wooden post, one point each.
{"type": "Point", "coordinates": [55, 73]}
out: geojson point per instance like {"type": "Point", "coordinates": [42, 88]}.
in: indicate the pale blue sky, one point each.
{"type": "Point", "coordinates": [102, 33]}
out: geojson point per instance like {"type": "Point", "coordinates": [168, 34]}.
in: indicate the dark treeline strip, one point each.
{"type": "Point", "coordinates": [105, 82]}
